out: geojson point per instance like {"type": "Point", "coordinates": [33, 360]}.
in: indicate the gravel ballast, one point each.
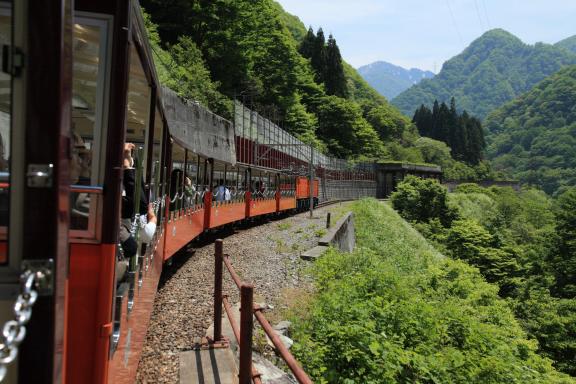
{"type": "Point", "coordinates": [266, 255]}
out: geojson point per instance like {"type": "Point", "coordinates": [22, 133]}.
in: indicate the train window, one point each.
{"type": "Point", "coordinates": [138, 109]}
{"type": "Point", "coordinates": [5, 123]}
{"type": "Point", "coordinates": [191, 180]}
{"type": "Point", "coordinates": [156, 171]}
{"type": "Point", "coordinates": [177, 177]}
{"type": "Point", "coordinates": [90, 47]}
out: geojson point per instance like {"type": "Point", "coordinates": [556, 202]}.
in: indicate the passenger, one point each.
{"type": "Point", "coordinates": [222, 193]}
{"type": "Point", "coordinates": [147, 221]}
{"type": "Point", "coordinates": [80, 164]}
{"type": "Point", "coordinates": [189, 190]}
{"type": "Point", "coordinates": [175, 183]}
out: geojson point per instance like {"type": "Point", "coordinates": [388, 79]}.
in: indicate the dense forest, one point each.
{"type": "Point", "coordinates": [494, 69]}
{"type": "Point", "coordinates": [524, 242]}
{"type": "Point", "coordinates": [398, 311]}
{"type": "Point", "coordinates": [568, 44]}
{"type": "Point", "coordinates": [533, 138]}
{"type": "Point", "coordinates": [463, 133]}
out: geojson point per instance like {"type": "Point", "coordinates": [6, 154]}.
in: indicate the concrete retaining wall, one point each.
{"type": "Point", "coordinates": [341, 235]}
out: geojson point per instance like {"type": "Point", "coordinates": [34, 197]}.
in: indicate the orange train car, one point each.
{"type": "Point", "coordinates": [303, 192]}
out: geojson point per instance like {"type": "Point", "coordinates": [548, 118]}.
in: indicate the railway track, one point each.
{"type": "Point", "coordinates": [266, 254]}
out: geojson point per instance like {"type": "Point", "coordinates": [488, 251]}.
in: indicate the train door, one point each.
{"type": "Point", "coordinates": [35, 83]}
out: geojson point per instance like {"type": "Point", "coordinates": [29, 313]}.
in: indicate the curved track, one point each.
{"type": "Point", "coordinates": [267, 255]}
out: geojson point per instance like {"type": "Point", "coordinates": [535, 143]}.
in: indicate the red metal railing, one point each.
{"type": "Point", "coordinates": [247, 372]}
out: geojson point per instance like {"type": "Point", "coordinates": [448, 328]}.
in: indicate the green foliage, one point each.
{"type": "Point", "coordinates": [494, 69]}
{"type": "Point", "coordinates": [182, 68]}
{"type": "Point", "coordinates": [471, 242]}
{"type": "Point", "coordinates": [564, 260]}
{"type": "Point", "coordinates": [533, 138]}
{"type": "Point", "coordinates": [463, 133]}
{"type": "Point", "coordinates": [397, 311]}
{"type": "Point", "coordinates": [568, 44]}
{"type": "Point", "coordinates": [421, 200]}
{"type": "Point", "coordinates": [525, 243]}
{"type": "Point", "coordinates": [346, 132]}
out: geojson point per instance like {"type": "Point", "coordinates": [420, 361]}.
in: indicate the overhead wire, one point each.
{"type": "Point", "coordinates": [454, 23]}
{"type": "Point", "coordinates": [479, 17]}
{"type": "Point", "coordinates": [486, 14]}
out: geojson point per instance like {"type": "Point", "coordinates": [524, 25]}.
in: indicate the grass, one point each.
{"type": "Point", "coordinates": [284, 226]}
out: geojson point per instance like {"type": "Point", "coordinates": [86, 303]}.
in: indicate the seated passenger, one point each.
{"type": "Point", "coordinates": [147, 220]}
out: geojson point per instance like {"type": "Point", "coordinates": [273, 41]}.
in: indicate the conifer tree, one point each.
{"type": "Point", "coordinates": [334, 78]}
{"type": "Point", "coordinates": [462, 133]}
{"type": "Point", "coordinates": [307, 46]}
{"type": "Point", "coordinates": [318, 58]}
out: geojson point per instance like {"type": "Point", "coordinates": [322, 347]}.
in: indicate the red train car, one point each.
{"type": "Point", "coordinates": [111, 155]}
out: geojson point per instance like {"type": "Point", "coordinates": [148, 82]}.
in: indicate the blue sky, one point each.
{"type": "Point", "coordinates": [425, 33]}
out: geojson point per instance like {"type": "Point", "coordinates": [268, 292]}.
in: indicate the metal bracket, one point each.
{"type": "Point", "coordinates": [40, 175]}
{"type": "Point", "coordinates": [12, 60]}
{"type": "Point", "coordinates": [44, 271]}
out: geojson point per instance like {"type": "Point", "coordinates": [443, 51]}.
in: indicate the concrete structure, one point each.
{"type": "Point", "coordinates": [388, 175]}
{"type": "Point", "coordinates": [196, 128]}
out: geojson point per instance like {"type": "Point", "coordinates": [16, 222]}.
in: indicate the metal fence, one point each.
{"type": "Point", "coordinates": [260, 142]}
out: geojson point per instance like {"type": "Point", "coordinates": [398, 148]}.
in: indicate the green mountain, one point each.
{"type": "Point", "coordinates": [391, 80]}
{"type": "Point", "coordinates": [219, 50]}
{"type": "Point", "coordinates": [494, 69]}
{"type": "Point", "coordinates": [533, 137]}
{"type": "Point", "coordinates": [568, 43]}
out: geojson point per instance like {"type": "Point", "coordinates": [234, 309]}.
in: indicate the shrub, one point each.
{"type": "Point", "coordinates": [421, 200]}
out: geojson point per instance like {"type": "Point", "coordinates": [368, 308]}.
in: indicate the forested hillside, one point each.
{"type": "Point", "coordinates": [398, 311]}
{"type": "Point", "coordinates": [494, 69]}
{"type": "Point", "coordinates": [568, 43]}
{"type": "Point", "coordinates": [533, 137]}
{"type": "Point", "coordinates": [216, 51]}
{"type": "Point", "coordinates": [389, 79]}
{"type": "Point", "coordinates": [523, 242]}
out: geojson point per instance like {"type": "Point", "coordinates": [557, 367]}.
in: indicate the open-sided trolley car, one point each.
{"type": "Point", "coordinates": [78, 83]}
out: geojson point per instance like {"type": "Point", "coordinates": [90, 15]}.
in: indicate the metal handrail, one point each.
{"type": "Point", "coordinates": [244, 334]}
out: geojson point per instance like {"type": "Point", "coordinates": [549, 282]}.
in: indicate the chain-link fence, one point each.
{"type": "Point", "coordinates": [262, 143]}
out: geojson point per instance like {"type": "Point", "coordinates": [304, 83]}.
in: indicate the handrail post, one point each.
{"type": "Point", "coordinates": [246, 325]}
{"type": "Point", "coordinates": [218, 261]}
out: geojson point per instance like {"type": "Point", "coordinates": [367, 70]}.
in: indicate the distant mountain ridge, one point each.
{"type": "Point", "coordinates": [390, 80]}
{"type": "Point", "coordinates": [494, 69]}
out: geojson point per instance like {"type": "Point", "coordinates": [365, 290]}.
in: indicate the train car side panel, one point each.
{"type": "Point", "coordinates": [287, 203]}
{"type": "Point", "coordinates": [134, 324]}
{"type": "Point", "coordinates": [262, 207]}
{"type": "Point", "coordinates": [182, 230]}
{"type": "Point", "coordinates": [91, 281]}
{"type": "Point", "coordinates": [227, 213]}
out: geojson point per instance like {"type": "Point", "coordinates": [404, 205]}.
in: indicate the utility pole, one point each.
{"type": "Point", "coordinates": [311, 169]}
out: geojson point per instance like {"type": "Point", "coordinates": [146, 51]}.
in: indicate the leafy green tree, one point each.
{"type": "Point", "coordinates": [563, 261]}
{"type": "Point", "coordinates": [421, 200]}
{"type": "Point", "coordinates": [345, 131]}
